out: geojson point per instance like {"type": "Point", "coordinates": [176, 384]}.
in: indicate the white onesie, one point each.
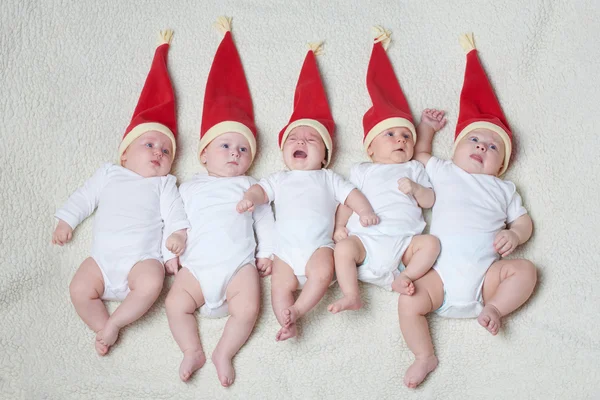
{"type": "Point", "coordinates": [221, 240]}
{"type": "Point", "coordinates": [469, 211]}
{"type": "Point", "coordinates": [400, 217]}
{"type": "Point", "coordinates": [305, 204]}
{"type": "Point", "coordinates": [135, 216]}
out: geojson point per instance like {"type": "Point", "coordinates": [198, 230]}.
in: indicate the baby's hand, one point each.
{"type": "Point", "coordinates": [172, 266]}
{"type": "Point", "coordinates": [62, 234]}
{"type": "Point", "coordinates": [506, 242]}
{"type": "Point", "coordinates": [434, 118]}
{"type": "Point", "coordinates": [407, 186]}
{"type": "Point", "coordinates": [176, 242]}
{"type": "Point", "coordinates": [245, 205]}
{"type": "Point", "coordinates": [264, 266]}
{"type": "Point", "coordinates": [368, 219]}
{"type": "Point", "coordinates": [340, 233]}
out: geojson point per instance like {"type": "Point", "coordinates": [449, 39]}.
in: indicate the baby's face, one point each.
{"type": "Point", "coordinates": [228, 155]}
{"type": "Point", "coordinates": [304, 149]}
{"type": "Point", "coordinates": [480, 152]}
{"type": "Point", "coordinates": [392, 146]}
{"type": "Point", "coordinates": [149, 155]}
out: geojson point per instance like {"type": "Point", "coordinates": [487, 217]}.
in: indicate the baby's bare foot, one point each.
{"type": "Point", "coordinates": [420, 368]}
{"type": "Point", "coordinates": [290, 315]}
{"type": "Point", "coordinates": [100, 348]}
{"type": "Point", "coordinates": [225, 370]}
{"type": "Point", "coordinates": [403, 285]}
{"type": "Point", "coordinates": [351, 302]}
{"type": "Point", "coordinates": [192, 361]}
{"type": "Point", "coordinates": [108, 335]}
{"type": "Point", "coordinates": [490, 319]}
{"type": "Point", "coordinates": [286, 333]}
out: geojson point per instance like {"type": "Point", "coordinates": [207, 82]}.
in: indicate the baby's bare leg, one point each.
{"type": "Point", "coordinates": [347, 255]}
{"type": "Point", "coordinates": [243, 298]}
{"type": "Point", "coordinates": [419, 257]}
{"type": "Point", "coordinates": [413, 324]}
{"type": "Point", "coordinates": [283, 285]}
{"type": "Point", "coordinates": [86, 289]}
{"type": "Point", "coordinates": [145, 283]}
{"type": "Point", "coordinates": [319, 273]}
{"type": "Point", "coordinates": [185, 296]}
{"type": "Point", "coordinates": [507, 285]}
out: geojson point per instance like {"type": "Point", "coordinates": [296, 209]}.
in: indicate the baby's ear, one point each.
{"type": "Point", "coordinates": [369, 151]}
{"type": "Point", "coordinates": [203, 156]}
{"type": "Point", "coordinates": [124, 156]}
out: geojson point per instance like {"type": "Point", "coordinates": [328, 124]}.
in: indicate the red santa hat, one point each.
{"type": "Point", "coordinates": [390, 108]}
{"type": "Point", "coordinates": [155, 110]}
{"type": "Point", "coordinates": [479, 107]}
{"type": "Point", "coordinates": [310, 103]}
{"type": "Point", "coordinates": [227, 101]}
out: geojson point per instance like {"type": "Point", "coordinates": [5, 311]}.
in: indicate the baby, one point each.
{"type": "Point", "coordinates": [219, 273]}
{"type": "Point", "coordinates": [478, 218]}
{"type": "Point", "coordinates": [138, 204]}
{"type": "Point", "coordinates": [396, 187]}
{"type": "Point", "coordinates": [305, 199]}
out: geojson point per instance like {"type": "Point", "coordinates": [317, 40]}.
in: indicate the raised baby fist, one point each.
{"type": "Point", "coordinates": [368, 219]}
{"type": "Point", "coordinates": [176, 242]}
{"type": "Point", "coordinates": [407, 186]}
{"type": "Point", "coordinates": [264, 266]}
{"type": "Point", "coordinates": [172, 266]}
{"type": "Point", "coordinates": [340, 233]}
{"type": "Point", "coordinates": [506, 242]}
{"type": "Point", "coordinates": [62, 234]}
{"type": "Point", "coordinates": [245, 205]}
{"type": "Point", "coordinates": [434, 118]}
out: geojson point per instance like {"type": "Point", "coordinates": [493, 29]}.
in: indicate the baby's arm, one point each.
{"type": "Point", "coordinates": [264, 226]}
{"type": "Point", "coordinates": [79, 206]}
{"type": "Point", "coordinates": [431, 122]}
{"type": "Point", "coordinates": [176, 224]}
{"type": "Point", "coordinates": [254, 196]}
{"type": "Point", "coordinates": [518, 232]}
{"type": "Point", "coordinates": [360, 205]}
{"type": "Point", "coordinates": [425, 197]}
{"type": "Point", "coordinates": [342, 216]}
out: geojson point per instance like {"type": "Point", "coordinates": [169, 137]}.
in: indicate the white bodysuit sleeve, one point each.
{"type": "Point", "coordinates": [264, 227]}
{"type": "Point", "coordinates": [172, 213]}
{"type": "Point", "coordinates": [357, 176]}
{"type": "Point", "coordinates": [515, 207]}
{"type": "Point", "coordinates": [420, 176]}
{"type": "Point", "coordinates": [269, 184]}
{"type": "Point", "coordinates": [84, 201]}
{"type": "Point", "coordinates": [341, 187]}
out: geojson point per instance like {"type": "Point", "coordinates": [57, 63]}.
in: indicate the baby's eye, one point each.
{"type": "Point", "coordinates": [390, 133]}
{"type": "Point", "coordinates": [225, 146]}
{"type": "Point", "coordinates": [474, 139]}
{"type": "Point", "coordinates": [166, 151]}
{"type": "Point", "coordinates": [243, 149]}
{"type": "Point", "coordinates": [493, 147]}
{"type": "Point", "coordinates": [149, 145]}
{"type": "Point", "coordinates": [405, 136]}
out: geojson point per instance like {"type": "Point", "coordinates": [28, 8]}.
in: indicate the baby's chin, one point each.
{"type": "Point", "coordinates": [225, 172]}
{"type": "Point", "coordinates": [149, 173]}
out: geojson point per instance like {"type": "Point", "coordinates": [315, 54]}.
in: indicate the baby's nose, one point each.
{"type": "Point", "coordinates": [482, 147]}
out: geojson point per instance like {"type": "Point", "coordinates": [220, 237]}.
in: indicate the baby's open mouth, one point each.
{"type": "Point", "coordinates": [477, 158]}
{"type": "Point", "coordinates": [156, 163]}
{"type": "Point", "coordinates": [399, 149]}
{"type": "Point", "coordinates": [299, 154]}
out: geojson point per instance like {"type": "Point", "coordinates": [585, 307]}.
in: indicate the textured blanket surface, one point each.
{"type": "Point", "coordinates": [71, 74]}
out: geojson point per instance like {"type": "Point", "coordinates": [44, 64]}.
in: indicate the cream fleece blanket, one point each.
{"type": "Point", "coordinates": [71, 74]}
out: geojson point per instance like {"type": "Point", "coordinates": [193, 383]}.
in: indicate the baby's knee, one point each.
{"type": "Point", "coordinates": [324, 273]}
{"type": "Point", "coordinates": [412, 306]}
{"type": "Point", "coordinates": [528, 270]}
{"type": "Point", "coordinates": [174, 300]}
{"type": "Point", "coordinates": [431, 243]}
